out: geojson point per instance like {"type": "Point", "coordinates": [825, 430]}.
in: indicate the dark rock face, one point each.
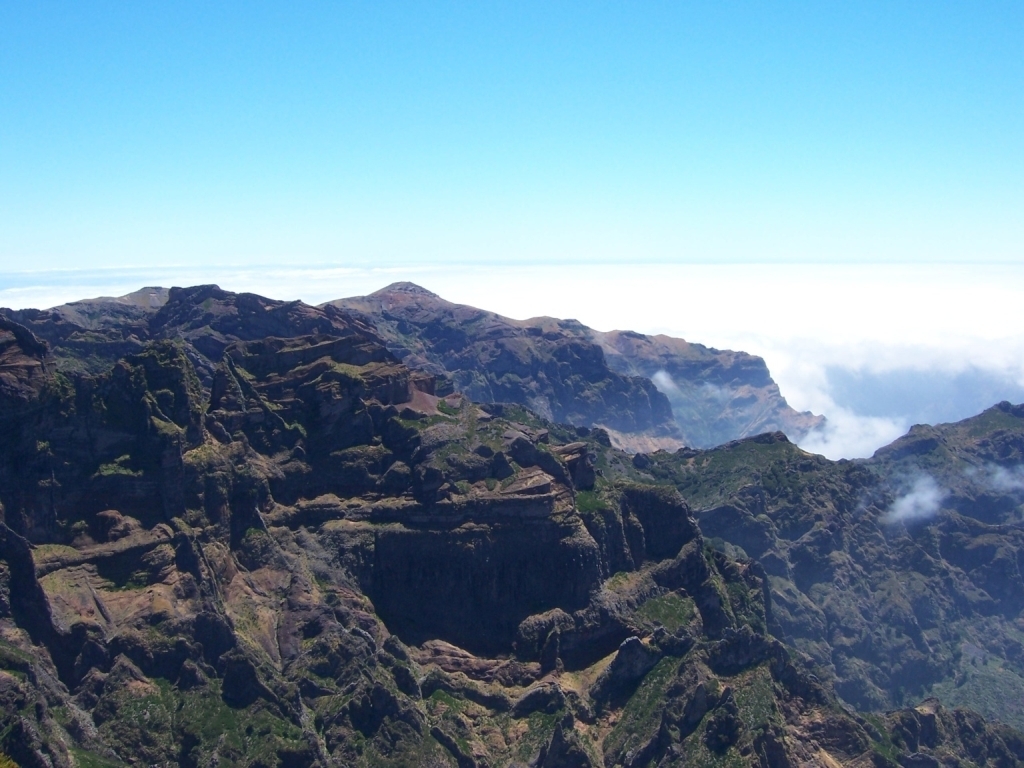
{"type": "Point", "coordinates": [241, 532]}
{"type": "Point", "coordinates": [552, 367]}
{"type": "Point", "coordinates": [722, 729]}
{"type": "Point", "coordinates": [564, 750]}
{"type": "Point", "coordinates": [571, 373]}
{"type": "Point", "coordinates": [632, 662]}
{"type": "Point", "coordinates": [473, 588]}
{"type": "Point", "coordinates": [22, 367]}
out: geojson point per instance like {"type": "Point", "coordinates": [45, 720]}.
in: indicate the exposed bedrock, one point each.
{"type": "Point", "coordinates": [472, 586]}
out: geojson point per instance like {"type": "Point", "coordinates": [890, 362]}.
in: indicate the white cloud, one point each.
{"type": "Point", "coordinates": [711, 392]}
{"type": "Point", "coordinates": [663, 381]}
{"type": "Point", "coordinates": [847, 435]}
{"type": "Point", "coordinates": [999, 479]}
{"type": "Point", "coordinates": [1007, 480]}
{"type": "Point", "coordinates": [921, 501]}
{"type": "Point", "coordinates": [708, 391]}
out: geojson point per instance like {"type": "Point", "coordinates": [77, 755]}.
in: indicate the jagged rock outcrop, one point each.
{"type": "Point", "coordinates": [22, 366]}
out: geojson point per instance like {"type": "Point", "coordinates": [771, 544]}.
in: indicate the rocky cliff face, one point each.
{"type": "Point", "coordinates": [716, 395]}
{"type": "Point", "coordinates": [649, 392]}
{"type": "Point", "coordinates": [551, 366]}
{"type": "Point", "coordinates": [261, 539]}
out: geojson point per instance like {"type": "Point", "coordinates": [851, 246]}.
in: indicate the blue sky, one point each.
{"type": "Point", "coordinates": [150, 134]}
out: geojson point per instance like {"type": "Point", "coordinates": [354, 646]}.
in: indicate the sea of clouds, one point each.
{"type": "Point", "coordinates": [875, 348]}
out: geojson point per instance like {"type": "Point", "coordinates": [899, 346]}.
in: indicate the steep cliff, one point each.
{"type": "Point", "coordinates": [716, 395]}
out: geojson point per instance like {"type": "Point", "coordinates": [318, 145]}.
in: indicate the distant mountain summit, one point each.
{"type": "Point", "coordinates": [648, 391]}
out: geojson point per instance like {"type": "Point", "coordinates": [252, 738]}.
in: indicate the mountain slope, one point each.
{"type": "Point", "coordinates": [261, 539]}
{"type": "Point", "coordinates": [276, 570]}
{"type": "Point", "coordinates": [571, 373]}
{"type": "Point", "coordinates": [551, 367]}
{"type": "Point", "coordinates": [900, 575]}
{"type": "Point", "coordinates": [648, 392]}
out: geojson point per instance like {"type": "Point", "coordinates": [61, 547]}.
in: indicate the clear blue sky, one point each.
{"type": "Point", "coordinates": [370, 133]}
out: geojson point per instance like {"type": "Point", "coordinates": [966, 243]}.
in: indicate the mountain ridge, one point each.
{"type": "Point", "coordinates": [714, 395]}
{"type": "Point", "coordinates": [649, 392]}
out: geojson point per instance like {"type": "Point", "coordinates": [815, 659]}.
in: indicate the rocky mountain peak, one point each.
{"type": "Point", "coordinates": [405, 287]}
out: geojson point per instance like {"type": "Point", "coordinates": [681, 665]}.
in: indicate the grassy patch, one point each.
{"type": "Point", "coordinates": [122, 572]}
{"type": "Point", "coordinates": [166, 429]}
{"type": "Point", "coordinates": [884, 746]}
{"type": "Point", "coordinates": [746, 606]}
{"type": "Point", "coordinates": [13, 662]}
{"type": "Point", "coordinates": [712, 477]}
{"type": "Point", "coordinates": [641, 715]}
{"type": "Point", "coordinates": [442, 701]}
{"type": "Point", "coordinates": [991, 420]}
{"type": "Point", "coordinates": [89, 760]}
{"type": "Point", "coordinates": [426, 752]}
{"type": "Point", "coordinates": [118, 467]}
{"type": "Point", "coordinates": [421, 424]}
{"type": "Point", "coordinates": [590, 501]}
{"type": "Point", "coordinates": [755, 698]}
{"type": "Point", "coordinates": [539, 729]}
{"type": "Point", "coordinates": [672, 611]}
{"type": "Point", "coordinates": [157, 721]}
{"type": "Point", "coordinates": [352, 375]}
{"type": "Point", "coordinates": [202, 455]}
{"type": "Point", "coordinates": [697, 754]}
{"type": "Point", "coordinates": [449, 410]}
{"type": "Point", "coordinates": [622, 581]}
{"type": "Point", "coordinates": [991, 688]}
{"type": "Point", "coordinates": [13, 659]}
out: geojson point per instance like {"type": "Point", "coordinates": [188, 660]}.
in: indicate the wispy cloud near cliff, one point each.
{"type": "Point", "coordinates": [1000, 479]}
{"type": "Point", "coordinates": [921, 501]}
{"type": "Point", "coordinates": [848, 434]}
{"type": "Point", "coordinates": [663, 381]}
